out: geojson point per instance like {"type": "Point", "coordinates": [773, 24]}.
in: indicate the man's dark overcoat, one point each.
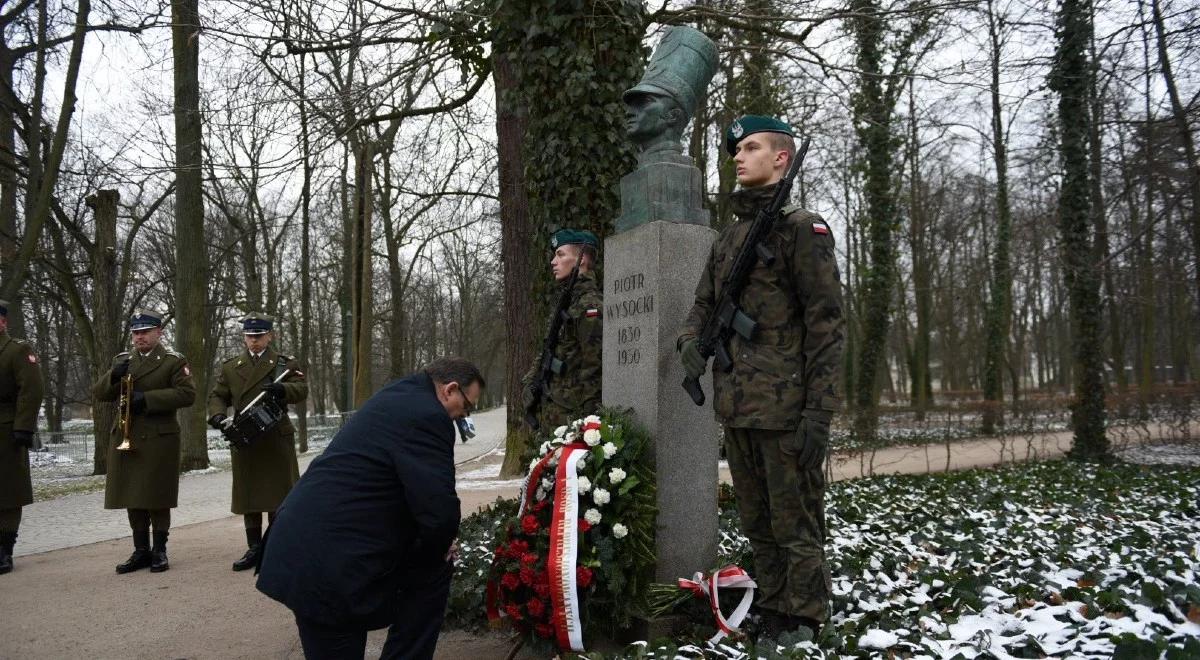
{"type": "Point", "coordinates": [379, 501]}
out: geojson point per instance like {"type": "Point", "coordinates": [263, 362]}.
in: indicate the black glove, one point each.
{"type": "Point", "coordinates": [275, 391]}
{"type": "Point", "coordinates": [23, 439]}
{"type": "Point", "coordinates": [813, 442]}
{"type": "Point", "coordinates": [138, 405]}
{"type": "Point", "coordinates": [693, 362]}
{"type": "Point", "coordinates": [119, 371]}
{"type": "Point", "coordinates": [215, 421]}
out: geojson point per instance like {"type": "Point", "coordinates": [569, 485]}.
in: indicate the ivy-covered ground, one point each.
{"type": "Point", "coordinates": [1051, 559]}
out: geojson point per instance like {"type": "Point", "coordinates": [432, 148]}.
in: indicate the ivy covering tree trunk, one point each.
{"type": "Point", "coordinates": [873, 124]}
{"type": "Point", "coordinates": [570, 63]}
{"type": "Point", "coordinates": [1070, 79]}
{"type": "Point", "coordinates": [999, 310]}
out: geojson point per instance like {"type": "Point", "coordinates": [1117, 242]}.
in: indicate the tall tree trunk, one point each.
{"type": "Point", "coordinates": [361, 285]}
{"type": "Point", "coordinates": [999, 313]}
{"type": "Point", "coordinates": [873, 118]}
{"type": "Point", "coordinates": [516, 236]}
{"type": "Point", "coordinates": [1180, 116]}
{"type": "Point", "coordinates": [922, 294]}
{"type": "Point", "coordinates": [1069, 78]}
{"type": "Point", "coordinates": [106, 314]}
{"type": "Point", "coordinates": [191, 260]}
{"type": "Point", "coordinates": [306, 348]}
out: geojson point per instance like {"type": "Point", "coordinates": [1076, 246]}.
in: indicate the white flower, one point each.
{"type": "Point", "coordinates": [558, 432]}
{"type": "Point", "coordinates": [616, 476]}
{"type": "Point", "coordinates": [544, 449]}
{"type": "Point", "coordinates": [601, 496]}
{"type": "Point", "coordinates": [569, 438]}
{"type": "Point", "coordinates": [585, 484]}
{"type": "Point", "coordinates": [582, 463]}
{"type": "Point", "coordinates": [591, 437]}
{"type": "Point", "coordinates": [591, 419]}
{"type": "Point", "coordinates": [610, 450]}
{"type": "Point", "coordinates": [620, 531]}
{"type": "Point", "coordinates": [540, 494]}
{"type": "Point", "coordinates": [592, 516]}
{"type": "Point", "coordinates": [547, 483]}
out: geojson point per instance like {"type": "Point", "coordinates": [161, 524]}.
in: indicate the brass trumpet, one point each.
{"type": "Point", "coordinates": [125, 413]}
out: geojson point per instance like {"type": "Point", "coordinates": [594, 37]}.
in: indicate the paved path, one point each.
{"type": "Point", "coordinates": [203, 496]}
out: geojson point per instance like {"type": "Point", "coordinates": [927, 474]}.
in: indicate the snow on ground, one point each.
{"type": "Point", "coordinates": [486, 477]}
{"type": "Point", "coordinates": [1163, 454]}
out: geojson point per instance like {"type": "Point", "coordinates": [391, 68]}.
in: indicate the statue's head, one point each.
{"type": "Point", "coordinates": [661, 105]}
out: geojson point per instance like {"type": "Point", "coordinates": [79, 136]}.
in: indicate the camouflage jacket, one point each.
{"type": "Point", "coordinates": [794, 361]}
{"type": "Point", "coordinates": [575, 392]}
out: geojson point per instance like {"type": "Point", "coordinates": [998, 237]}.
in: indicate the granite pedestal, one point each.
{"type": "Point", "coordinates": [650, 277]}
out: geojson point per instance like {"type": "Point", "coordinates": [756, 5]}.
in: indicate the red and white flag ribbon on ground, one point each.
{"type": "Point", "coordinates": [730, 577]}
{"type": "Point", "coordinates": [564, 548]}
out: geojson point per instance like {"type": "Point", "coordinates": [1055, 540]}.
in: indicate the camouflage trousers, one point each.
{"type": "Point", "coordinates": [783, 515]}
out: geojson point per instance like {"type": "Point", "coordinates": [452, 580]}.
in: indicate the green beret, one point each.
{"type": "Point", "coordinates": [750, 124]}
{"type": "Point", "coordinates": [573, 237]}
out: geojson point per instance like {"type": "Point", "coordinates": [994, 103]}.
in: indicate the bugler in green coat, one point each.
{"type": "Point", "coordinates": [147, 477]}
{"type": "Point", "coordinates": [20, 396]}
{"type": "Point", "coordinates": [265, 471]}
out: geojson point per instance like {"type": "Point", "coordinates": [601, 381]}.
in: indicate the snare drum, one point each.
{"type": "Point", "coordinates": [255, 422]}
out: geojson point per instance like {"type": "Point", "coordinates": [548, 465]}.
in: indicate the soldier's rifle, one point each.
{"type": "Point", "coordinates": [727, 316]}
{"type": "Point", "coordinates": [548, 363]}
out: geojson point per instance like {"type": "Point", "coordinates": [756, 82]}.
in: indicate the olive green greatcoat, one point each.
{"type": "Point", "coordinates": [20, 396]}
{"type": "Point", "coordinates": [266, 470]}
{"type": "Point", "coordinates": [147, 476]}
{"type": "Point", "coordinates": [575, 393]}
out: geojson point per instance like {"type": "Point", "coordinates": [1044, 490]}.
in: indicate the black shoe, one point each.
{"type": "Point", "coordinates": [7, 541]}
{"type": "Point", "coordinates": [248, 560]}
{"type": "Point", "coordinates": [158, 561]}
{"type": "Point", "coordinates": [140, 559]}
{"type": "Point", "coordinates": [5, 564]}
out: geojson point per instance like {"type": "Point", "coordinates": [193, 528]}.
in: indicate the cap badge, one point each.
{"type": "Point", "coordinates": [737, 129]}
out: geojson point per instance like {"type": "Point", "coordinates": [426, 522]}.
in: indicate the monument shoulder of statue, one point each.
{"type": "Point", "coordinates": [666, 185]}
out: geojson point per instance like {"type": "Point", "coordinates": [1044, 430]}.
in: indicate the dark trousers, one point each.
{"type": "Point", "coordinates": [413, 635]}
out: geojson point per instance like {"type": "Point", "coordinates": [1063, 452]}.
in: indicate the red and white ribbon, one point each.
{"type": "Point", "coordinates": [564, 549]}
{"type": "Point", "coordinates": [730, 577]}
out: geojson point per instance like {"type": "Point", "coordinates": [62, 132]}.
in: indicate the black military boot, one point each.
{"type": "Point", "coordinates": [141, 553]}
{"type": "Point", "coordinates": [7, 541]}
{"type": "Point", "coordinates": [158, 556]}
{"type": "Point", "coordinates": [254, 541]}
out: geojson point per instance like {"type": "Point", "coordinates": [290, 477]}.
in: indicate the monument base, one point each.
{"type": "Point", "coordinates": [650, 276]}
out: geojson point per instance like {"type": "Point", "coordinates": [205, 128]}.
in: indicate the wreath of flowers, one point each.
{"type": "Point", "coordinates": [615, 551]}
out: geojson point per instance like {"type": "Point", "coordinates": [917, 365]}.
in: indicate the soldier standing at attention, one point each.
{"type": "Point", "coordinates": [265, 469]}
{"type": "Point", "coordinates": [20, 396]}
{"type": "Point", "coordinates": [144, 479]}
{"type": "Point", "coordinates": [777, 401]}
{"type": "Point", "coordinates": [574, 390]}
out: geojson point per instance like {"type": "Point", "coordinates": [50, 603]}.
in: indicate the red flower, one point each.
{"type": "Point", "coordinates": [526, 575]}
{"type": "Point", "coordinates": [510, 581]}
{"type": "Point", "coordinates": [529, 558]}
{"type": "Point", "coordinates": [542, 590]}
{"type": "Point", "coordinates": [514, 611]}
{"type": "Point", "coordinates": [529, 524]}
{"type": "Point", "coordinates": [583, 576]}
{"type": "Point", "coordinates": [518, 548]}
{"type": "Point", "coordinates": [584, 526]}
{"type": "Point", "coordinates": [543, 630]}
{"type": "Point", "coordinates": [541, 505]}
{"type": "Point", "coordinates": [536, 608]}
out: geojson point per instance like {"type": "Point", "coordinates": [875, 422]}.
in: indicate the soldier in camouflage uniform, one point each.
{"type": "Point", "coordinates": [20, 396]}
{"type": "Point", "coordinates": [777, 401]}
{"type": "Point", "coordinates": [574, 393]}
{"type": "Point", "coordinates": [144, 479]}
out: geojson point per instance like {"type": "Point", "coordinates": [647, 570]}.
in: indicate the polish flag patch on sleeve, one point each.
{"type": "Point", "coordinates": [592, 313]}
{"type": "Point", "coordinates": [820, 228]}
{"type": "Point", "coordinates": [186, 371]}
{"type": "Point", "coordinates": [32, 358]}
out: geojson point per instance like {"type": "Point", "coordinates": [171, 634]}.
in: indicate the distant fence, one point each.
{"type": "Point", "coordinates": [72, 451]}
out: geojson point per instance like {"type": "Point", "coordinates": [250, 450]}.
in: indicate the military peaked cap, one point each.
{"type": "Point", "coordinates": [573, 237]}
{"type": "Point", "coordinates": [257, 324]}
{"type": "Point", "coordinates": [751, 124]}
{"type": "Point", "coordinates": [144, 319]}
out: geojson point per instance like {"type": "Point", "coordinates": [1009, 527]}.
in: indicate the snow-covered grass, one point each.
{"type": "Point", "coordinates": [1053, 559]}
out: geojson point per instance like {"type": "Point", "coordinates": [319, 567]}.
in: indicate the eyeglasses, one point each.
{"type": "Point", "coordinates": [468, 406]}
